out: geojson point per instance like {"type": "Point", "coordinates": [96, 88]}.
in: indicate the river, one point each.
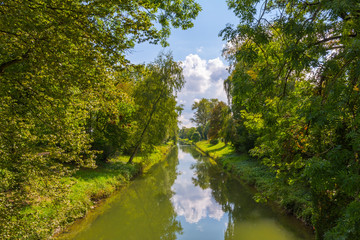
{"type": "Point", "coordinates": [186, 197]}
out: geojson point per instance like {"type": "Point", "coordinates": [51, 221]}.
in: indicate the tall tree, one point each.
{"type": "Point", "coordinates": [294, 85]}
{"type": "Point", "coordinates": [60, 63]}
{"type": "Point", "coordinates": [217, 120]}
{"type": "Point", "coordinates": [155, 96]}
{"type": "Point", "coordinates": [202, 114]}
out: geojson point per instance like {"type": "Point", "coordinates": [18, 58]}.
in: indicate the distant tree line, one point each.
{"type": "Point", "coordinates": [213, 121]}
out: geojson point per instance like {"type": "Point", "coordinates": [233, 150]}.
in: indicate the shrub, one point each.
{"type": "Point", "coordinates": [196, 137]}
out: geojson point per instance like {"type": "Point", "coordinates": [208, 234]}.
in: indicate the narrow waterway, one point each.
{"type": "Point", "coordinates": [186, 197]}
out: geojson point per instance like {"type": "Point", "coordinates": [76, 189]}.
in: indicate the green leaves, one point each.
{"type": "Point", "coordinates": [294, 88]}
{"type": "Point", "coordinates": [155, 99]}
{"type": "Point", "coordinates": [66, 92]}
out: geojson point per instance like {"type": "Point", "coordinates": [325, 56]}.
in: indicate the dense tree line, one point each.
{"type": "Point", "coordinates": [294, 99]}
{"type": "Point", "coordinates": [68, 96]}
{"type": "Point", "coordinates": [294, 91]}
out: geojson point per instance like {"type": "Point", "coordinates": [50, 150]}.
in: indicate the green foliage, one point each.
{"type": "Point", "coordinates": [196, 137]}
{"type": "Point", "coordinates": [294, 93]}
{"type": "Point", "coordinates": [155, 99]}
{"type": "Point", "coordinates": [84, 189]}
{"type": "Point", "coordinates": [66, 90]}
{"type": "Point", "coordinates": [202, 115]}
{"type": "Point", "coordinates": [217, 119]}
{"type": "Point", "coordinates": [348, 224]}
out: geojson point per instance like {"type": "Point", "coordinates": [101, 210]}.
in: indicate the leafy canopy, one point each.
{"type": "Point", "coordinates": [294, 91]}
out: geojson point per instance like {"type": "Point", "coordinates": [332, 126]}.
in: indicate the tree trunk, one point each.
{"type": "Point", "coordinates": [143, 132]}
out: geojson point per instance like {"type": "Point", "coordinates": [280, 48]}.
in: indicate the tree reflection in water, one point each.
{"type": "Point", "coordinates": [186, 197]}
{"type": "Point", "coordinates": [246, 218]}
{"type": "Point", "coordinates": [143, 210]}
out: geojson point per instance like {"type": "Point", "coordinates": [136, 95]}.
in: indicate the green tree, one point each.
{"type": "Point", "coordinates": [196, 137]}
{"type": "Point", "coordinates": [202, 114]}
{"type": "Point", "coordinates": [295, 87]}
{"type": "Point", "coordinates": [155, 97]}
{"type": "Point", "coordinates": [183, 132]}
{"type": "Point", "coordinates": [217, 120]}
{"type": "Point", "coordinates": [111, 130]}
{"type": "Point", "coordinates": [60, 72]}
{"type": "Point", "coordinates": [191, 132]}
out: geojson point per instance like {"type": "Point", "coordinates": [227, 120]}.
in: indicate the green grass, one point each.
{"type": "Point", "coordinates": [294, 198]}
{"type": "Point", "coordinates": [83, 191]}
{"type": "Point", "coordinates": [216, 151]}
{"type": "Point", "coordinates": [145, 161]}
{"type": "Point", "coordinates": [186, 141]}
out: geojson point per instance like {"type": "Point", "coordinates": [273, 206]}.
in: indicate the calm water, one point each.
{"type": "Point", "coordinates": [186, 197]}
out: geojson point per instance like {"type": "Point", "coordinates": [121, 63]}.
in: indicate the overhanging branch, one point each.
{"type": "Point", "coordinates": [333, 38]}
{"type": "Point", "coordinates": [7, 64]}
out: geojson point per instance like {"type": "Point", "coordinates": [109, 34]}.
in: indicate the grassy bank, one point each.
{"type": "Point", "coordinates": [295, 199]}
{"type": "Point", "coordinates": [82, 192]}
{"type": "Point", "coordinates": [186, 141]}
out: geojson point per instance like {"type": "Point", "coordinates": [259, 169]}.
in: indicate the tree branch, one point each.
{"type": "Point", "coordinates": [10, 33]}
{"type": "Point", "coordinates": [333, 38]}
{"type": "Point", "coordinates": [7, 64]}
{"type": "Point", "coordinates": [311, 4]}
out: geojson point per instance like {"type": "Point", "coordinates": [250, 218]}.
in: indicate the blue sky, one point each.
{"type": "Point", "coordinates": [199, 49]}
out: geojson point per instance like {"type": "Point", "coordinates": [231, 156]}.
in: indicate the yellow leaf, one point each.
{"type": "Point", "coordinates": [252, 74]}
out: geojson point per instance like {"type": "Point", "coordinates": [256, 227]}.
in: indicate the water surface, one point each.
{"type": "Point", "coordinates": [187, 197]}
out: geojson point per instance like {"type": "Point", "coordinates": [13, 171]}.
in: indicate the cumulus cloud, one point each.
{"type": "Point", "coordinates": [218, 70]}
{"type": "Point", "coordinates": [196, 74]}
{"type": "Point", "coordinates": [204, 79]}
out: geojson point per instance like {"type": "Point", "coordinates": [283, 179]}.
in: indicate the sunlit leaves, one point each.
{"type": "Point", "coordinates": [295, 86]}
{"type": "Point", "coordinates": [155, 102]}
{"type": "Point", "coordinates": [65, 88]}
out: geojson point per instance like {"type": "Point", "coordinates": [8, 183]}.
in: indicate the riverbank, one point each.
{"type": "Point", "coordinates": [83, 191]}
{"type": "Point", "coordinates": [295, 199]}
{"type": "Point", "coordinates": [186, 196]}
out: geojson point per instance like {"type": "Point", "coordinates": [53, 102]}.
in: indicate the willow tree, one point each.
{"type": "Point", "coordinates": [155, 99]}
{"type": "Point", "coordinates": [295, 85]}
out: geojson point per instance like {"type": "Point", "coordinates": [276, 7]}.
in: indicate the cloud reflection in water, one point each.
{"type": "Point", "coordinates": [193, 202]}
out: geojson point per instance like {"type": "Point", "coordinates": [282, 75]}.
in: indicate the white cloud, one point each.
{"type": "Point", "coordinates": [200, 49]}
{"type": "Point", "coordinates": [204, 79]}
{"type": "Point", "coordinates": [192, 202]}
{"type": "Point", "coordinates": [182, 101]}
{"type": "Point", "coordinates": [196, 74]}
{"type": "Point", "coordinates": [185, 120]}
{"type": "Point", "coordinates": [218, 69]}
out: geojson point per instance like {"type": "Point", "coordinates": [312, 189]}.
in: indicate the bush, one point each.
{"type": "Point", "coordinates": [214, 141]}
{"type": "Point", "coordinates": [196, 137]}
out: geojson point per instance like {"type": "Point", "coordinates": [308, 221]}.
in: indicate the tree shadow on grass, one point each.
{"type": "Point", "coordinates": [217, 149]}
